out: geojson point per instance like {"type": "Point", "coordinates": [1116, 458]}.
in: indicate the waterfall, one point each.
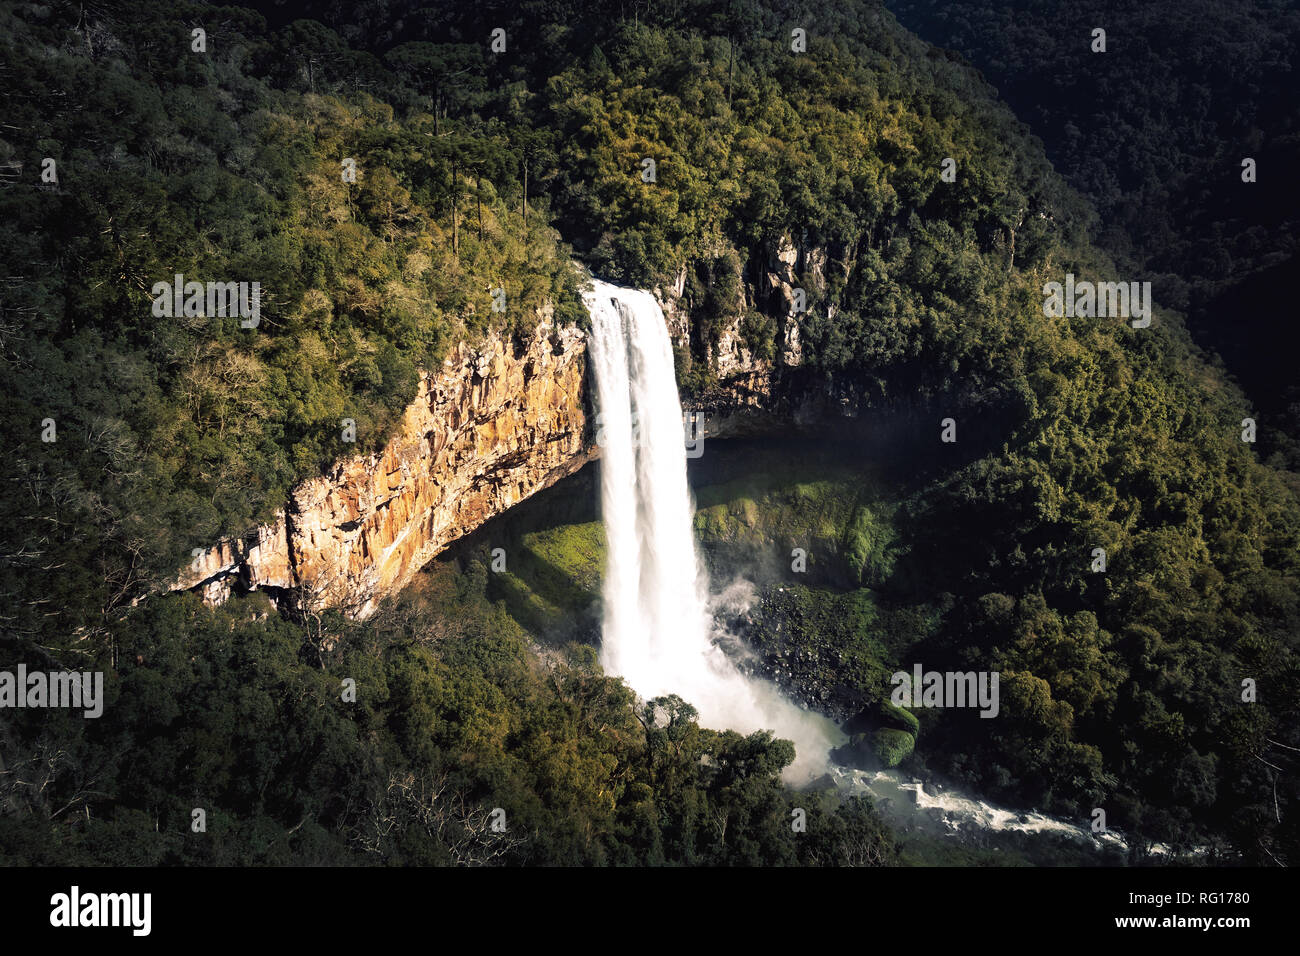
{"type": "Point", "coordinates": [658, 633]}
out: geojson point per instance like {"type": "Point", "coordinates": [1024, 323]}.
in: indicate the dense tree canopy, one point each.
{"type": "Point", "coordinates": [478, 171]}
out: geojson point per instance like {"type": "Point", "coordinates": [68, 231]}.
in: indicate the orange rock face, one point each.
{"type": "Point", "coordinates": [493, 427]}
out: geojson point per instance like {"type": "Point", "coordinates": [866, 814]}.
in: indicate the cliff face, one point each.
{"type": "Point", "coordinates": [782, 271]}
{"type": "Point", "coordinates": [751, 395]}
{"type": "Point", "coordinates": [493, 427]}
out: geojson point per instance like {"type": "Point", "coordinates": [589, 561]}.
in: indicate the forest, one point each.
{"type": "Point", "coordinates": [479, 171]}
{"type": "Point", "coordinates": [1157, 141]}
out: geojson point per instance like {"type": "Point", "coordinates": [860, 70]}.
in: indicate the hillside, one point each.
{"type": "Point", "coordinates": [481, 172]}
{"type": "Point", "coordinates": [1155, 133]}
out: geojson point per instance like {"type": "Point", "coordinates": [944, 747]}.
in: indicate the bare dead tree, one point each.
{"type": "Point", "coordinates": [31, 784]}
{"type": "Point", "coordinates": [465, 829]}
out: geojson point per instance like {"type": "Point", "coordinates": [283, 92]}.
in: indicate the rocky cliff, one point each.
{"type": "Point", "coordinates": [751, 395]}
{"type": "Point", "coordinates": [496, 424]}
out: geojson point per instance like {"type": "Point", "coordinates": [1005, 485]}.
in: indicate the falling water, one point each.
{"type": "Point", "coordinates": [658, 632]}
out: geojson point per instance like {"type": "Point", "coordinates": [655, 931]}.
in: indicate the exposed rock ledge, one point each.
{"type": "Point", "coordinates": [496, 425]}
{"type": "Point", "coordinates": [493, 427]}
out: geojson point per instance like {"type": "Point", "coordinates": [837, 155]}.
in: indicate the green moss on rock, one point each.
{"type": "Point", "coordinates": [892, 746]}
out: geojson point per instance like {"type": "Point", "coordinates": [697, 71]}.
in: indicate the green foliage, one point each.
{"type": "Point", "coordinates": [223, 167]}
{"type": "Point", "coordinates": [453, 718]}
{"type": "Point", "coordinates": [552, 579]}
{"type": "Point", "coordinates": [1121, 687]}
{"type": "Point", "coordinates": [794, 496]}
{"type": "Point", "coordinates": [1146, 141]}
{"type": "Point", "coordinates": [892, 746]}
{"type": "Point", "coordinates": [899, 718]}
